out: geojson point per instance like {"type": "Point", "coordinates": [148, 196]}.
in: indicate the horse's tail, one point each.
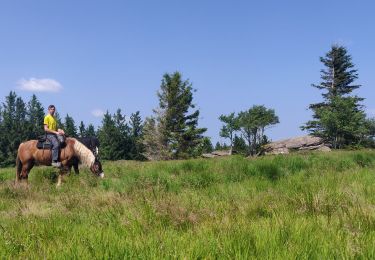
{"type": "Point", "coordinates": [18, 167]}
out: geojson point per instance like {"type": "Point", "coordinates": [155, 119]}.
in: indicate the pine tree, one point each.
{"type": "Point", "coordinates": [181, 130]}
{"type": "Point", "coordinates": [14, 128]}
{"type": "Point", "coordinates": [35, 113]}
{"type": "Point", "coordinates": [90, 131]}
{"type": "Point", "coordinates": [70, 127]}
{"type": "Point", "coordinates": [82, 129]}
{"type": "Point", "coordinates": [136, 134]}
{"type": "Point", "coordinates": [340, 119]}
{"type": "Point", "coordinates": [114, 137]}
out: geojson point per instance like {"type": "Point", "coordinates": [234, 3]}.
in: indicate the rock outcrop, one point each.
{"type": "Point", "coordinates": [217, 153]}
{"type": "Point", "coordinates": [301, 143]}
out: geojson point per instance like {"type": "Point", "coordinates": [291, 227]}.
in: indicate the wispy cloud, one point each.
{"type": "Point", "coordinates": [97, 112]}
{"type": "Point", "coordinates": [39, 85]}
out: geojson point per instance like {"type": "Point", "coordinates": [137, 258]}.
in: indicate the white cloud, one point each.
{"type": "Point", "coordinates": [97, 112]}
{"type": "Point", "coordinates": [39, 85]}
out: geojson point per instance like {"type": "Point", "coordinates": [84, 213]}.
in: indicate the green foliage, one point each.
{"type": "Point", "coordinates": [14, 127]}
{"type": "Point", "coordinates": [136, 135]}
{"type": "Point", "coordinates": [82, 129]}
{"type": "Point", "coordinates": [277, 207]}
{"type": "Point", "coordinates": [253, 123]}
{"type": "Point", "coordinates": [70, 127]}
{"type": "Point", "coordinates": [173, 126]}
{"type": "Point", "coordinates": [231, 125]}
{"type": "Point", "coordinates": [35, 118]}
{"type": "Point", "coordinates": [114, 137]}
{"type": "Point", "coordinates": [339, 119]}
{"type": "Point", "coordinates": [239, 145]}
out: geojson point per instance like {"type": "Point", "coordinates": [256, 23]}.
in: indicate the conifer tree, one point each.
{"type": "Point", "coordinates": [136, 134]}
{"type": "Point", "coordinates": [35, 112]}
{"type": "Point", "coordinates": [181, 130]}
{"type": "Point", "coordinates": [90, 131]}
{"type": "Point", "coordinates": [82, 129]}
{"type": "Point", "coordinates": [70, 127]}
{"type": "Point", "coordinates": [340, 119]}
{"type": "Point", "coordinates": [14, 128]}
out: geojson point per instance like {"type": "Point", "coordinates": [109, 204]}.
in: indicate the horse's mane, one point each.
{"type": "Point", "coordinates": [84, 154]}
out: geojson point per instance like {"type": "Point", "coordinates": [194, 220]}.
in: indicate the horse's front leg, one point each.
{"type": "Point", "coordinates": [65, 169]}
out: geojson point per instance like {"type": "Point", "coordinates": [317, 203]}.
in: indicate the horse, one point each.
{"type": "Point", "coordinates": [29, 155]}
{"type": "Point", "coordinates": [91, 143]}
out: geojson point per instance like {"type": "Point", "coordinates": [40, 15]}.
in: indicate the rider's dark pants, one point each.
{"type": "Point", "coordinates": [55, 146]}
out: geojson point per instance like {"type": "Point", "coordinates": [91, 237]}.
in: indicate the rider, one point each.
{"type": "Point", "coordinates": [50, 127]}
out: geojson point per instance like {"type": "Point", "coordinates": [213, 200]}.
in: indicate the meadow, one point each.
{"type": "Point", "coordinates": [305, 206]}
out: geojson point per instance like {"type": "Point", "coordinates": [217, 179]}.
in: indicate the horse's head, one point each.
{"type": "Point", "coordinates": [96, 168]}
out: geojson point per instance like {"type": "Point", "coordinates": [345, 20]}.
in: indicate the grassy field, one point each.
{"type": "Point", "coordinates": [319, 205]}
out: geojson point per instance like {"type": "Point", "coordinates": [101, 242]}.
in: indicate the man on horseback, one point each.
{"type": "Point", "coordinates": [52, 133]}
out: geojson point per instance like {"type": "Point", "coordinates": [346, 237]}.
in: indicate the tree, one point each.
{"type": "Point", "coordinates": [253, 123]}
{"type": "Point", "coordinates": [239, 145]}
{"type": "Point", "coordinates": [136, 133]}
{"type": "Point", "coordinates": [340, 119]}
{"type": "Point", "coordinates": [90, 131]}
{"type": "Point", "coordinates": [14, 128]}
{"type": "Point", "coordinates": [82, 129]}
{"type": "Point", "coordinates": [114, 137]}
{"type": "Point", "coordinates": [35, 115]}
{"type": "Point", "coordinates": [154, 141]}
{"type": "Point", "coordinates": [229, 128]}
{"type": "Point", "coordinates": [206, 145]}
{"type": "Point", "coordinates": [175, 125]}
{"type": "Point", "coordinates": [70, 127]}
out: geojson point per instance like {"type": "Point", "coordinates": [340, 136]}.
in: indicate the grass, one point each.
{"type": "Point", "coordinates": [306, 206]}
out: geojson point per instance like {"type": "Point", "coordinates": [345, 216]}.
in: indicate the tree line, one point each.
{"type": "Point", "coordinates": [172, 132]}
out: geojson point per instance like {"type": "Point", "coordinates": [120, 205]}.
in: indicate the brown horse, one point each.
{"type": "Point", "coordinates": [29, 155]}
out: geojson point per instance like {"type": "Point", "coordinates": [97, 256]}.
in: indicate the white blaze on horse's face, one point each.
{"type": "Point", "coordinates": [101, 175]}
{"type": "Point", "coordinates": [97, 150]}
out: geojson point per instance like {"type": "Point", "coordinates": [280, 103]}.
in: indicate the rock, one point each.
{"type": "Point", "coordinates": [208, 155]}
{"type": "Point", "coordinates": [217, 153]}
{"type": "Point", "coordinates": [300, 143]}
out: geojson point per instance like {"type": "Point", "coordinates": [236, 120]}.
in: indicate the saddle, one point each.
{"type": "Point", "coordinates": [44, 143]}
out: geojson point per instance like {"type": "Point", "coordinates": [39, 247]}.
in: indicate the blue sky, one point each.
{"type": "Point", "coordinates": [104, 55]}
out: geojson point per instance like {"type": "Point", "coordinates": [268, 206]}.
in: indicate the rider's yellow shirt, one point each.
{"type": "Point", "coordinates": [51, 122]}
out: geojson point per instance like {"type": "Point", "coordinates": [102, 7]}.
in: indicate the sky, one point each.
{"type": "Point", "coordinates": [87, 57]}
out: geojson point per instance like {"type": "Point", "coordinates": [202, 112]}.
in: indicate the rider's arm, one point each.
{"type": "Point", "coordinates": [49, 130]}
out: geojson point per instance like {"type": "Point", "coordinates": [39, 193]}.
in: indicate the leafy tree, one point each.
{"type": "Point", "coordinates": [174, 126]}
{"type": "Point", "coordinates": [231, 125]}
{"type": "Point", "coordinates": [253, 123]}
{"type": "Point", "coordinates": [70, 127]}
{"type": "Point", "coordinates": [339, 119]}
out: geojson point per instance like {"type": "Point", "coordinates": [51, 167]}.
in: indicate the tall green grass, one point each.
{"type": "Point", "coordinates": [318, 205]}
